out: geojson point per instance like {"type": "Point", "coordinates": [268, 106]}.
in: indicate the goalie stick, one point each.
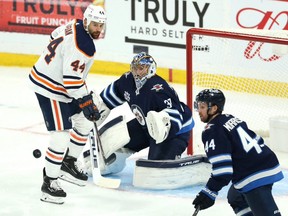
{"type": "Point", "coordinates": [95, 153]}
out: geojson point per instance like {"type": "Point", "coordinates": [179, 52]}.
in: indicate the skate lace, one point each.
{"type": "Point", "coordinates": [79, 166]}
{"type": "Point", "coordinates": [55, 184]}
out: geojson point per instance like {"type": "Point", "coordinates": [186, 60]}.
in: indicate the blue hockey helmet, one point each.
{"type": "Point", "coordinates": [211, 97]}
{"type": "Point", "coordinates": [143, 65]}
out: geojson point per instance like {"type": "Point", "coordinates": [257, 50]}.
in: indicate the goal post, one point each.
{"type": "Point", "coordinates": [250, 67]}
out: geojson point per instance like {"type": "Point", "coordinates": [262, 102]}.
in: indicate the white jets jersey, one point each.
{"type": "Point", "coordinates": [61, 70]}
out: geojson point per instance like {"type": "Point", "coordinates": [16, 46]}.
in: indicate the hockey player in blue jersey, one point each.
{"type": "Point", "coordinates": [161, 122]}
{"type": "Point", "coordinates": [237, 155]}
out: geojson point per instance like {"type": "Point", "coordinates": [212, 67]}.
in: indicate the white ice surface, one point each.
{"type": "Point", "coordinates": [22, 130]}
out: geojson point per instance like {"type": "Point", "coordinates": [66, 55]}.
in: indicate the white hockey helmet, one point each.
{"type": "Point", "coordinates": [94, 13]}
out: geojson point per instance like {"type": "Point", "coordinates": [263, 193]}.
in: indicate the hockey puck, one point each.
{"type": "Point", "coordinates": [37, 153]}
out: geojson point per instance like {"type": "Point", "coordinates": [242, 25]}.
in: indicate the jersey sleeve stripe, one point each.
{"type": "Point", "coordinates": [261, 178]}
{"type": "Point", "coordinates": [222, 171]}
{"type": "Point", "coordinates": [110, 97]}
{"type": "Point", "coordinates": [176, 121]}
{"type": "Point", "coordinates": [174, 112]}
{"type": "Point", "coordinates": [46, 83]}
{"type": "Point", "coordinates": [112, 93]}
{"type": "Point", "coordinates": [175, 117]}
{"type": "Point", "coordinates": [220, 158]}
{"type": "Point", "coordinates": [187, 126]}
{"type": "Point", "coordinates": [73, 84]}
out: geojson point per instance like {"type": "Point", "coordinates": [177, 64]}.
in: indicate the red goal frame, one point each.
{"type": "Point", "coordinates": [215, 33]}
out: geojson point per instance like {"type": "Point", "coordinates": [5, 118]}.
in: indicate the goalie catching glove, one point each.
{"type": "Point", "coordinates": [88, 107]}
{"type": "Point", "coordinates": [158, 125]}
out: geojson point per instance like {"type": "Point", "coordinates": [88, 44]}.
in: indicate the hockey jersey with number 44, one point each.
{"type": "Point", "coordinates": [239, 155]}
{"type": "Point", "coordinates": [61, 70]}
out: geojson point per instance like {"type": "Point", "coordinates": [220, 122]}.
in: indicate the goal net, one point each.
{"type": "Point", "coordinates": [251, 68]}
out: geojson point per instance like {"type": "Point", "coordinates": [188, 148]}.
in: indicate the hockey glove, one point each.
{"type": "Point", "coordinates": [74, 107]}
{"type": "Point", "coordinates": [88, 107]}
{"type": "Point", "coordinates": [103, 109]}
{"type": "Point", "coordinates": [205, 199]}
{"type": "Point", "coordinates": [158, 125]}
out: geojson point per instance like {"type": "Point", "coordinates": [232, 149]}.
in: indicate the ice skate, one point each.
{"type": "Point", "coordinates": [70, 172]}
{"type": "Point", "coordinates": [51, 190]}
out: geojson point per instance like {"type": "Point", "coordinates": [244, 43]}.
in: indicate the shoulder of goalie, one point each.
{"type": "Point", "coordinates": [114, 135]}
{"type": "Point", "coordinates": [171, 174]}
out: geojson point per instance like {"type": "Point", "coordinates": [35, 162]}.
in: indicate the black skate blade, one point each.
{"type": "Point", "coordinates": [50, 199]}
{"type": "Point", "coordinates": [57, 203]}
{"type": "Point", "coordinates": [72, 181]}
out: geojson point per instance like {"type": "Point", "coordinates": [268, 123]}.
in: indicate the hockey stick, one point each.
{"type": "Point", "coordinates": [98, 179]}
{"type": "Point", "coordinates": [112, 157]}
{"type": "Point", "coordinates": [196, 210]}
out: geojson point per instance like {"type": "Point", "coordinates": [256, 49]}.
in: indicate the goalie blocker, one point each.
{"type": "Point", "coordinates": [171, 174]}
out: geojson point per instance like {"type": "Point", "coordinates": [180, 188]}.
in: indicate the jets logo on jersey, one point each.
{"type": "Point", "coordinates": [208, 126]}
{"type": "Point", "coordinates": [137, 111]}
{"type": "Point", "coordinates": [157, 87]}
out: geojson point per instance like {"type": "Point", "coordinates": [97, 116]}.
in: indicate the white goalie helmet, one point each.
{"type": "Point", "coordinates": [94, 13]}
{"type": "Point", "coordinates": [143, 67]}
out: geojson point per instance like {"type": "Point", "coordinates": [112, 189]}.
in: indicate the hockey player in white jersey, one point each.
{"type": "Point", "coordinates": [58, 79]}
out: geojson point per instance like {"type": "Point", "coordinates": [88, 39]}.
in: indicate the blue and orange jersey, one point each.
{"type": "Point", "coordinates": [61, 70]}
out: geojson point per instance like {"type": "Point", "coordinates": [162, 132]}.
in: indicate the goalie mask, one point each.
{"type": "Point", "coordinates": [143, 67]}
{"type": "Point", "coordinates": [211, 97]}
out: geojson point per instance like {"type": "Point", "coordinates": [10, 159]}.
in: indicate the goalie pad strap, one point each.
{"type": "Point", "coordinates": [110, 124]}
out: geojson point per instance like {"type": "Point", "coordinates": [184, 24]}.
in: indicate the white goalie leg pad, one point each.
{"type": "Point", "coordinates": [114, 135]}
{"type": "Point", "coordinates": [119, 164]}
{"type": "Point", "coordinates": [103, 109]}
{"type": "Point", "coordinates": [158, 124]}
{"type": "Point", "coordinates": [171, 174]}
